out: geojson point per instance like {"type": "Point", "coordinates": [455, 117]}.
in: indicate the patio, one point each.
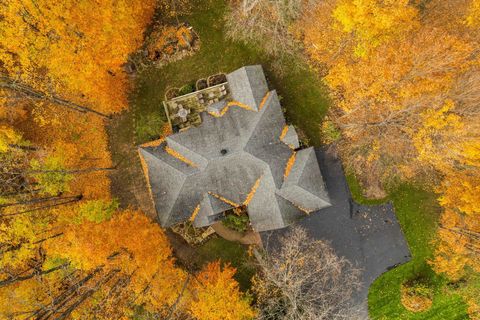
{"type": "Point", "coordinates": [183, 111]}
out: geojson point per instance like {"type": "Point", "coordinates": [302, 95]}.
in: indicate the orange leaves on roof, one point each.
{"type": "Point", "coordinates": [289, 165]}
{"type": "Point", "coordinates": [145, 173]}
{"type": "Point", "coordinates": [180, 157]}
{"type": "Point", "coordinates": [240, 105]}
{"type": "Point", "coordinates": [236, 104]}
{"type": "Point", "coordinates": [194, 213]}
{"type": "Point", "coordinates": [264, 100]}
{"type": "Point", "coordinates": [252, 191]}
{"type": "Point", "coordinates": [284, 132]}
{"type": "Point", "coordinates": [154, 143]}
{"type": "Point", "coordinates": [227, 107]}
{"type": "Point", "coordinates": [227, 201]}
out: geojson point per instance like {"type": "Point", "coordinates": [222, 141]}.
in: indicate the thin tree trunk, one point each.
{"type": "Point", "coordinates": [64, 297]}
{"type": "Point", "coordinates": [34, 273]}
{"type": "Point", "coordinates": [179, 297]}
{"type": "Point", "coordinates": [18, 246]}
{"type": "Point", "coordinates": [7, 82]}
{"type": "Point", "coordinates": [27, 148]}
{"type": "Point", "coordinates": [78, 198]}
{"type": "Point", "coordinates": [87, 170]}
{"type": "Point", "coordinates": [24, 191]}
{"type": "Point", "coordinates": [87, 294]}
{"type": "Point", "coordinates": [39, 200]}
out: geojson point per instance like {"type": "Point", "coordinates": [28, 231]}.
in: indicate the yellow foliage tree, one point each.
{"type": "Point", "coordinates": [216, 296]}
{"type": "Point", "coordinates": [373, 22]}
{"type": "Point", "coordinates": [73, 49]}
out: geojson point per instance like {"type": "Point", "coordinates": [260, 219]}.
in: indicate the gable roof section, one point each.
{"type": "Point", "coordinates": [290, 137]}
{"type": "Point", "coordinates": [166, 179]}
{"type": "Point", "coordinates": [264, 142]}
{"type": "Point", "coordinates": [304, 186]}
{"type": "Point", "coordinates": [248, 85]}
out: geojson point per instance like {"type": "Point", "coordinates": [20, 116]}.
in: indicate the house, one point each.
{"type": "Point", "coordinates": [242, 154]}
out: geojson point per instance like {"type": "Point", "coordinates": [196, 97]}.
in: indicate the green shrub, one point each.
{"type": "Point", "coordinates": [188, 88]}
{"type": "Point", "coordinates": [239, 223]}
{"type": "Point", "coordinates": [417, 295]}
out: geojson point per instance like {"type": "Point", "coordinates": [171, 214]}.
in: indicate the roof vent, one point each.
{"type": "Point", "coordinates": [223, 152]}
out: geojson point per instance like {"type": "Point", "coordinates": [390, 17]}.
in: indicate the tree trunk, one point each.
{"type": "Point", "coordinates": [39, 200]}
{"type": "Point", "coordinates": [75, 199]}
{"type": "Point", "coordinates": [87, 294]}
{"type": "Point", "coordinates": [7, 82]}
{"type": "Point", "coordinates": [27, 148]}
{"type": "Point", "coordinates": [59, 301]}
{"type": "Point", "coordinates": [179, 297]}
{"type": "Point", "coordinates": [17, 278]}
{"type": "Point", "coordinates": [75, 171]}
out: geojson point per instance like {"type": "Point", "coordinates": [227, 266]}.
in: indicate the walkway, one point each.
{"type": "Point", "coordinates": [369, 236]}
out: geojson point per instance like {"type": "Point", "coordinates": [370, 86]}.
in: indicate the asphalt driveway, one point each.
{"type": "Point", "coordinates": [368, 236]}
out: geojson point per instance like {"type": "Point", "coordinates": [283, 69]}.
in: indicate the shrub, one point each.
{"type": "Point", "coordinates": [329, 132]}
{"type": "Point", "coordinates": [236, 222]}
{"type": "Point", "coordinates": [188, 88]}
{"type": "Point", "coordinates": [416, 295]}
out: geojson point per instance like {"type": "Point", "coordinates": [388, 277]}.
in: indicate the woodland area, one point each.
{"type": "Point", "coordinates": [369, 78]}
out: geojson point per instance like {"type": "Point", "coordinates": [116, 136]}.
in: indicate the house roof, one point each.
{"type": "Point", "coordinates": [240, 155]}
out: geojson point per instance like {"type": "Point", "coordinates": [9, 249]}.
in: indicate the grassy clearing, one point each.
{"type": "Point", "coordinates": [417, 212]}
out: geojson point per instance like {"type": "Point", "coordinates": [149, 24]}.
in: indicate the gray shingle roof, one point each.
{"type": "Point", "coordinates": [236, 158]}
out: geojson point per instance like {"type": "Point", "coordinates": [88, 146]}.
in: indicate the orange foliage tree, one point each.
{"type": "Point", "coordinates": [71, 50]}
{"type": "Point", "coordinates": [216, 296]}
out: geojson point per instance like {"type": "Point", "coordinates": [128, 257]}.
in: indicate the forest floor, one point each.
{"type": "Point", "coordinates": [305, 102]}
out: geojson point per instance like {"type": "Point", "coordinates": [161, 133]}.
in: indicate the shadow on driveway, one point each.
{"type": "Point", "coordinates": [369, 236]}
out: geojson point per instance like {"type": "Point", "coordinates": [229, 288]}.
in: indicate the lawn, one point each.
{"type": "Point", "coordinates": [417, 211]}
{"type": "Point", "coordinates": [232, 253]}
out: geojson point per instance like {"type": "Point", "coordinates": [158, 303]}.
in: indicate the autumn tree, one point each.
{"type": "Point", "coordinates": [266, 24]}
{"type": "Point", "coordinates": [131, 246]}
{"type": "Point", "coordinates": [406, 104]}
{"type": "Point", "coordinates": [304, 279]}
{"type": "Point", "coordinates": [69, 54]}
{"type": "Point", "coordinates": [216, 295]}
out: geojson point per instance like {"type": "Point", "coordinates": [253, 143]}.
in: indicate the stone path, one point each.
{"type": "Point", "coordinates": [249, 237]}
{"type": "Point", "coordinates": [369, 236]}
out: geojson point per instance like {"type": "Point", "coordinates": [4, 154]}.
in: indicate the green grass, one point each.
{"type": "Point", "coordinates": [417, 211]}
{"type": "Point", "coordinates": [301, 93]}
{"type": "Point", "coordinates": [229, 252]}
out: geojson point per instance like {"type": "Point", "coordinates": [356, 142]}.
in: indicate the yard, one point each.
{"type": "Point", "coordinates": [305, 102]}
